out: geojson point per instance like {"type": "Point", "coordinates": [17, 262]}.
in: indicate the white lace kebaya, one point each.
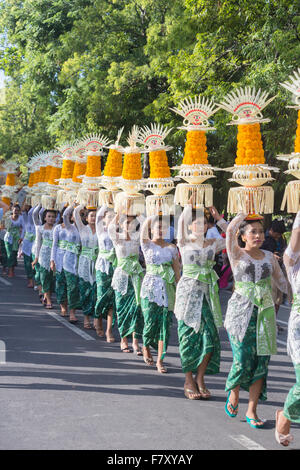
{"type": "Point", "coordinates": [72, 250]}
{"type": "Point", "coordinates": [124, 248]}
{"type": "Point", "coordinates": [247, 270]}
{"type": "Point", "coordinates": [105, 243]}
{"type": "Point", "coordinates": [89, 240]}
{"type": "Point", "coordinates": [191, 291]}
{"type": "Point", "coordinates": [29, 236]}
{"type": "Point", "coordinates": [58, 250]}
{"type": "Point", "coordinates": [153, 286]}
{"type": "Point", "coordinates": [293, 273]}
{"type": "Point", "coordinates": [37, 217]}
{"type": "Point", "coordinates": [44, 240]}
{"type": "Point", "coordinates": [12, 226]}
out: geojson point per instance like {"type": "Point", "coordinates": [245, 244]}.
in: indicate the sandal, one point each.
{"type": "Point", "coordinates": [48, 306]}
{"type": "Point", "coordinates": [161, 368]}
{"type": "Point", "coordinates": [74, 320]}
{"type": "Point", "coordinates": [148, 360]}
{"type": "Point", "coordinates": [100, 332]}
{"type": "Point", "coordinates": [137, 351]}
{"type": "Point", "coordinates": [204, 393]}
{"type": "Point", "coordinates": [191, 395]}
{"type": "Point", "coordinates": [126, 350]}
{"type": "Point", "coordinates": [283, 439]}
{"type": "Point", "coordinates": [235, 408]}
{"type": "Point", "coordinates": [110, 338]}
{"type": "Point", "coordinates": [87, 326]}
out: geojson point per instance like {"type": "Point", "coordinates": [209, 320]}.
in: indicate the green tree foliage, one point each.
{"type": "Point", "coordinates": [96, 65]}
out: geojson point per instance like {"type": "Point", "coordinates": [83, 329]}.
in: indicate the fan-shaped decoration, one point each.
{"type": "Point", "coordinates": [294, 87]}
{"type": "Point", "coordinates": [246, 105]}
{"type": "Point", "coordinates": [196, 113]}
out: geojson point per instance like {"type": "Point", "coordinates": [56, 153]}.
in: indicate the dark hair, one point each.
{"type": "Point", "coordinates": [278, 226]}
{"type": "Point", "coordinates": [16, 206]}
{"type": "Point", "coordinates": [242, 230]}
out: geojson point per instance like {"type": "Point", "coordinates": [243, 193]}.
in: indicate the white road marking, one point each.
{"type": "Point", "coordinates": [248, 443]}
{"type": "Point", "coordinates": [281, 321]}
{"type": "Point", "coordinates": [72, 327]}
{"type": "Point", "coordinates": [5, 281]}
{"type": "Point", "coordinates": [281, 342]}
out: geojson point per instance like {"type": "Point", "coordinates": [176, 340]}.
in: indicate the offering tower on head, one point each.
{"type": "Point", "coordinates": [159, 181]}
{"type": "Point", "coordinates": [195, 168]}
{"type": "Point", "coordinates": [88, 194]}
{"type": "Point", "coordinates": [131, 181]}
{"type": "Point", "coordinates": [250, 170]}
{"type": "Point", "coordinates": [291, 196]}
{"type": "Point", "coordinates": [112, 173]}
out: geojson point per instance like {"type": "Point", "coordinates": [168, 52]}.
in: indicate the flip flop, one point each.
{"type": "Point", "coordinates": [235, 408]}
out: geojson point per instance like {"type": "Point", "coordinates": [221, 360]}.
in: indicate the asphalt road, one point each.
{"type": "Point", "coordinates": [64, 388]}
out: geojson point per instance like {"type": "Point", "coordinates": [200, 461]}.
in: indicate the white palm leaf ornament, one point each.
{"type": "Point", "coordinates": [294, 87]}
{"type": "Point", "coordinates": [153, 137]}
{"type": "Point", "coordinates": [246, 105]}
{"type": "Point", "coordinates": [196, 112]}
{"type": "Point", "coordinates": [96, 142]}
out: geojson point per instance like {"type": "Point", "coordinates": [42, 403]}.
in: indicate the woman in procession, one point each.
{"type": "Point", "coordinates": [4, 208]}
{"type": "Point", "coordinates": [70, 262]}
{"type": "Point", "coordinates": [250, 318]}
{"type": "Point", "coordinates": [197, 306]}
{"type": "Point", "coordinates": [291, 410]}
{"type": "Point", "coordinates": [124, 232]}
{"type": "Point", "coordinates": [44, 240]}
{"type": "Point", "coordinates": [86, 263]}
{"type": "Point", "coordinates": [37, 216]}
{"type": "Point", "coordinates": [158, 287]}
{"type": "Point", "coordinates": [14, 235]}
{"type": "Point", "coordinates": [106, 261]}
{"type": "Point", "coordinates": [27, 243]}
{"type": "Point", "coordinates": [56, 264]}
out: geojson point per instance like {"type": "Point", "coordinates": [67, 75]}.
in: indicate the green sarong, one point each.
{"type": "Point", "coordinates": [88, 293]}
{"type": "Point", "coordinates": [28, 268]}
{"type": "Point", "coordinates": [60, 287]}
{"type": "Point", "coordinates": [157, 325]}
{"type": "Point", "coordinates": [129, 314]}
{"type": "Point", "coordinates": [73, 296]}
{"type": "Point", "coordinates": [47, 280]}
{"type": "Point", "coordinates": [247, 366]}
{"type": "Point", "coordinates": [12, 248]}
{"type": "Point", "coordinates": [3, 254]}
{"type": "Point", "coordinates": [291, 408]}
{"type": "Point", "coordinates": [105, 294]}
{"type": "Point", "coordinates": [11, 255]}
{"type": "Point", "coordinates": [132, 267]}
{"type": "Point", "coordinates": [193, 347]}
{"type": "Point", "coordinates": [37, 277]}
